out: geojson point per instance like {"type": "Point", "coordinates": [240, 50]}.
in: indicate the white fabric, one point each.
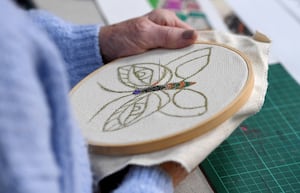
{"type": "Point", "coordinates": [219, 73]}
{"type": "Point", "coordinates": [195, 182]}
{"type": "Point", "coordinates": [191, 153]}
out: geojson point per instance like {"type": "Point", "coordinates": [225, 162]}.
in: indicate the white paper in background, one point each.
{"type": "Point", "coordinates": [292, 7]}
{"type": "Point", "coordinates": [279, 24]}
{"type": "Point", "coordinates": [212, 15]}
{"type": "Point", "coordinates": [115, 11]}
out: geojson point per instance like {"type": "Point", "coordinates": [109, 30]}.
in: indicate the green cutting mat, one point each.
{"type": "Point", "coordinates": [263, 154]}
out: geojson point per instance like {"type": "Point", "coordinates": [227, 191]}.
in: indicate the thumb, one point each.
{"type": "Point", "coordinates": [173, 37]}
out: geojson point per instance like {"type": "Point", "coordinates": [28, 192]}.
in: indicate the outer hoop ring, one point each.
{"type": "Point", "coordinates": [178, 138]}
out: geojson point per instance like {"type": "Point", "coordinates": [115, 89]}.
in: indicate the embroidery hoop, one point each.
{"type": "Point", "coordinates": [169, 140]}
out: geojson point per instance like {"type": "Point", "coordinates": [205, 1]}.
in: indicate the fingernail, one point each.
{"type": "Point", "coordinates": [188, 34]}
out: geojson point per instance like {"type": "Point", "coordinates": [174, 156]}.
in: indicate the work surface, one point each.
{"type": "Point", "coordinates": [263, 154]}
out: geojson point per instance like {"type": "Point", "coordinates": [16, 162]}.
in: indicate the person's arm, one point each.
{"type": "Point", "coordinates": [86, 47]}
{"type": "Point", "coordinates": [158, 179]}
{"type": "Point", "coordinates": [78, 44]}
{"type": "Point", "coordinates": [27, 160]}
{"type": "Point", "coordinates": [142, 179]}
{"type": "Point", "coordinates": [158, 29]}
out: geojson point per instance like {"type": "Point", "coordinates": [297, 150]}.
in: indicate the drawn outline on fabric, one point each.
{"type": "Point", "coordinates": [142, 75]}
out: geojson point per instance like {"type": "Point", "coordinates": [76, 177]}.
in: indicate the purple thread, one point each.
{"type": "Point", "coordinates": [136, 92]}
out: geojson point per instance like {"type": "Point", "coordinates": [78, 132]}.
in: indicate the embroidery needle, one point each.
{"type": "Point", "coordinates": [168, 86]}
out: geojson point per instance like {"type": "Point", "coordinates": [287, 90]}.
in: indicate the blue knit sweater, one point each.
{"type": "Point", "coordinates": [41, 149]}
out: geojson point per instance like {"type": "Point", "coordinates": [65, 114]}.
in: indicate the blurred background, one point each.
{"type": "Point", "coordinates": [77, 11]}
{"type": "Point", "coordinates": [278, 19]}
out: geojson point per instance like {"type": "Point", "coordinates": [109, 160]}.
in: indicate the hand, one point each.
{"type": "Point", "coordinates": [157, 29]}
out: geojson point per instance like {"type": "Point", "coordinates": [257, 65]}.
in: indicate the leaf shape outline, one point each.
{"type": "Point", "coordinates": [184, 65]}
{"type": "Point", "coordinates": [134, 110]}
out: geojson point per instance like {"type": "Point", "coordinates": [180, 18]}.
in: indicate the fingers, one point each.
{"type": "Point", "coordinates": [167, 18]}
{"type": "Point", "coordinates": [172, 37]}
{"type": "Point", "coordinates": [158, 29]}
{"type": "Point", "coordinates": [169, 30]}
{"type": "Point", "coordinates": [181, 24]}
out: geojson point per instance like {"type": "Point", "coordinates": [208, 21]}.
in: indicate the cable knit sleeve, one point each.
{"type": "Point", "coordinates": [142, 179]}
{"type": "Point", "coordinates": [78, 44]}
{"type": "Point", "coordinates": [79, 47]}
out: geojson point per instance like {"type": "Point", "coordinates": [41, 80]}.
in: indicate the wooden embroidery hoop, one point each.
{"type": "Point", "coordinates": [180, 137]}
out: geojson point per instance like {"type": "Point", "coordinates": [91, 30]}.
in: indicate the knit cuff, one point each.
{"type": "Point", "coordinates": [83, 54]}
{"type": "Point", "coordinates": [78, 44]}
{"type": "Point", "coordinates": [146, 180]}
{"type": "Point", "coordinates": [84, 48]}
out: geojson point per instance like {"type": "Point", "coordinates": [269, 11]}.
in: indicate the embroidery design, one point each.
{"type": "Point", "coordinates": [153, 91]}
